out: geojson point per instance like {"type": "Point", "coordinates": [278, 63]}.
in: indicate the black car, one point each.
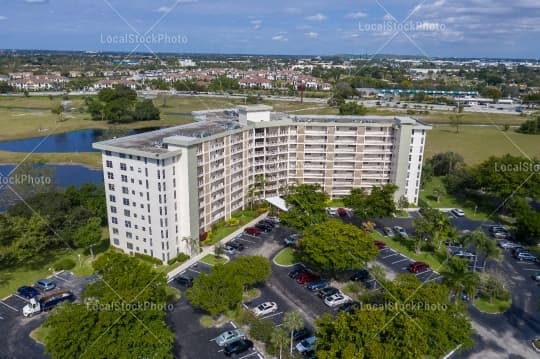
{"type": "Point", "coordinates": [28, 292]}
{"type": "Point", "coordinates": [238, 246]}
{"type": "Point", "coordinates": [264, 227]}
{"type": "Point", "coordinates": [310, 354]}
{"type": "Point", "coordinates": [184, 281]}
{"type": "Point", "coordinates": [361, 275]}
{"type": "Point", "coordinates": [297, 271]}
{"type": "Point", "coordinates": [268, 222]}
{"type": "Point", "coordinates": [349, 307]}
{"type": "Point", "coordinates": [326, 292]}
{"type": "Point", "coordinates": [238, 347]}
{"type": "Point", "coordinates": [301, 334]}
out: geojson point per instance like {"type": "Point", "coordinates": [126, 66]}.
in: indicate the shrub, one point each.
{"type": "Point", "coordinates": [261, 329]}
{"type": "Point", "coordinates": [64, 264]}
{"type": "Point", "coordinates": [245, 317]}
{"type": "Point", "coordinates": [148, 258]}
{"type": "Point", "coordinates": [233, 222]}
{"type": "Point", "coordinates": [181, 258]}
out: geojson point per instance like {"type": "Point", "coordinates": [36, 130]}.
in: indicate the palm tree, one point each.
{"type": "Point", "coordinates": [279, 338]}
{"type": "Point", "coordinates": [292, 321]}
{"type": "Point", "coordinates": [482, 244]}
{"type": "Point", "coordinates": [193, 245]}
{"type": "Point", "coordinates": [457, 277]}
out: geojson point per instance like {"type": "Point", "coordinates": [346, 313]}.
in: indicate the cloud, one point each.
{"type": "Point", "coordinates": [256, 24]}
{"type": "Point", "coordinates": [280, 37]}
{"type": "Point", "coordinates": [356, 15]}
{"type": "Point", "coordinates": [292, 10]}
{"type": "Point", "coordinates": [312, 35]}
{"type": "Point", "coordinates": [36, 1]}
{"type": "Point", "coordinates": [166, 9]}
{"type": "Point", "coordinates": [303, 27]}
{"type": "Point", "coordinates": [316, 17]}
{"type": "Point", "coordinates": [3, 17]}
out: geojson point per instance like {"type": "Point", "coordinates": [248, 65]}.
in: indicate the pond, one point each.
{"type": "Point", "coordinates": [75, 141]}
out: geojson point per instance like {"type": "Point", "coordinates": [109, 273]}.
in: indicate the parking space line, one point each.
{"type": "Point", "coordinates": [432, 279]}
{"type": "Point", "coordinates": [272, 315]}
{"type": "Point", "coordinates": [9, 306]}
{"type": "Point", "coordinates": [390, 255]}
{"type": "Point", "coordinates": [193, 270]}
{"type": "Point", "coordinates": [250, 355]}
{"type": "Point", "coordinates": [18, 296]}
{"type": "Point", "coordinates": [245, 240]}
{"type": "Point", "coordinates": [401, 260]}
{"type": "Point", "coordinates": [531, 269]}
{"type": "Point", "coordinates": [62, 279]}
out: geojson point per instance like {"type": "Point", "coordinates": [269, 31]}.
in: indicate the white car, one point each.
{"type": "Point", "coordinates": [273, 219]}
{"type": "Point", "coordinates": [508, 245]}
{"type": "Point", "coordinates": [332, 211]}
{"type": "Point", "coordinates": [306, 345]}
{"type": "Point", "coordinates": [336, 300]}
{"type": "Point", "coordinates": [401, 231]}
{"type": "Point", "coordinates": [458, 212]}
{"type": "Point", "coordinates": [228, 337]}
{"type": "Point", "coordinates": [265, 309]}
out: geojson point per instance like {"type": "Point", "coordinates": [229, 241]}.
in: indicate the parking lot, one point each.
{"type": "Point", "coordinates": [15, 341]}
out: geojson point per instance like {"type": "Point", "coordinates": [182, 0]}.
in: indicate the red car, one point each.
{"type": "Point", "coordinates": [418, 267]}
{"type": "Point", "coordinates": [380, 245]}
{"type": "Point", "coordinates": [342, 212]}
{"type": "Point", "coordinates": [305, 278]}
{"type": "Point", "coordinates": [254, 231]}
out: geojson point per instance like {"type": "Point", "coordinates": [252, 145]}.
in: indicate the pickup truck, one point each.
{"type": "Point", "coordinates": [46, 303]}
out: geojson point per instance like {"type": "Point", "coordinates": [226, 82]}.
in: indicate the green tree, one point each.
{"type": "Point", "coordinates": [492, 92]}
{"type": "Point", "coordinates": [146, 111]}
{"type": "Point", "coordinates": [378, 203]}
{"type": "Point", "coordinates": [250, 270]}
{"type": "Point", "coordinates": [279, 339]}
{"type": "Point", "coordinates": [59, 111]}
{"type": "Point", "coordinates": [292, 321]}
{"type": "Point", "coordinates": [334, 246]}
{"type": "Point", "coordinates": [352, 108]}
{"type": "Point", "coordinates": [398, 328]}
{"type": "Point", "coordinates": [456, 121]}
{"type": "Point", "coordinates": [307, 206]}
{"type": "Point", "coordinates": [457, 277]}
{"type": "Point", "coordinates": [482, 244]}
{"type": "Point", "coordinates": [88, 234]}
{"type": "Point", "coordinates": [127, 303]}
{"type": "Point", "coordinates": [531, 126]}
{"type": "Point", "coordinates": [527, 222]}
{"type": "Point", "coordinates": [433, 226]}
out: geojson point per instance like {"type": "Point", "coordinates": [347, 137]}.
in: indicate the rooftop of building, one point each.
{"type": "Point", "coordinates": [210, 123]}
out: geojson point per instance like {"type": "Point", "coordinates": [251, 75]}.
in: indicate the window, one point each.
{"type": "Point", "coordinates": [122, 155]}
{"type": "Point", "coordinates": [109, 164]}
{"type": "Point", "coordinates": [111, 187]}
{"type": "Point", "coordinates": [108, 153]}
{"type": "Point", "coordinates": [114, 220]}
{"type": "Point", "coordinates": [113, 209]}
{"type": "Point", "coordinates": [123, 166]}
{"type": "Point", "coordinates": [127, 224]}
{"type": "Point", "coordinates": [129, 245]}
{"type": "Point", "coordinates": [127, 213]}
{"type": "Point", "coordinates": [115, 230]}
{"type": "Point", "coordinates": [125, 190]}
{"type": "Point", "coordinates": [112, 198]}
{"type": "Point", "coordinates": [116, 241]}
{"type": "Point", "coordinates": [129, 235]}
{"type": "Point", "coordinates": [110, 175]}
{"type": "Point", "coordinates": [126, 201]}
{"type": "Point", "coordinates": [124, 178]}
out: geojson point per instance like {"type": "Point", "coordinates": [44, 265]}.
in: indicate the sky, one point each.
{"type": "Point", "coordinates": [431, 28]}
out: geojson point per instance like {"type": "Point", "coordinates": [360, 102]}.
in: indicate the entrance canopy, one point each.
{"type": "Point", "coordinates": [278, 202]}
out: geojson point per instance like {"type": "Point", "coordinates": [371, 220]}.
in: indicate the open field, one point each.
{"type": "Point", "coordinates": [468, 118]}
{"type": "Point", "coordinates": [90, 159]}
{"type": "Point", "coordinates": [477, 144]}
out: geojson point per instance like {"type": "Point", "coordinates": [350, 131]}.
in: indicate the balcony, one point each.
{"type": "Point", "coordinates": [346, 149]}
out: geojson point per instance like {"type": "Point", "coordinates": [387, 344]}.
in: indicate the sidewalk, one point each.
{"type": "Point", "coordinates": [210, 249]}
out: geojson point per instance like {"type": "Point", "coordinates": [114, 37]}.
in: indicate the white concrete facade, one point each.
{"type": "Point", "coordinates": [165, 187]}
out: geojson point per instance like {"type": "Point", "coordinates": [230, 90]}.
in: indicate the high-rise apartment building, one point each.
{"type": "Point", "coordinates": [167, 186]}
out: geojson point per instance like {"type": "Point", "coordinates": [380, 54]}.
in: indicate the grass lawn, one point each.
{"type": "Point", "coordinates": [90, 159]}
{"type": "Point", "coordinates": [477, 144]}
{"type": "Point", "coordinates": [251, 294]}
{"type": "Point", "coordinates": [40, 333]}
{"type": "Point", "coordinates": [473, 118]}
{"type": "Point", "coordinates": [338, 202]}
{"type": "Point", "coordinates": [497, 306]}
{"type": "Point", "coordinates": [211, 260]}
{"type": "Point", "coordinates": [286, 257]}
{"type": "Point", "coordinates": [449, 201]}
{"type": "Point", "coordinates": [26, 276]}
{"type": "Point", "coordinates": [430, 258]}
{"type": "Point", "coordinates": [223, 230]}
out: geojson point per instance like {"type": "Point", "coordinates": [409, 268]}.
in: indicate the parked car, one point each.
{"type": "Point", "coordinates": [236, 245]}
{"type": "Point", "coordinates": [254, 231]}
{"type": "Point", "coordinates": [336, 300]}
{"type": "Point", "coordinates": [28, 292]}
{"type": "Point", "coordinates": [301, 334]}
{"type": "Point", "coordinates": [388, 232]}
{"type": "Point", "coordinates": [508, 245]}
{"type": "Point", "coordinates": [305, 278]}
{"type": "Point", "coordinates": [184, 281]}
{"type": "Point", "coordinates": [291, 240]}
{"type": "Point", "coordinates": [273, 219]}
{"type": "Point", "coordinates": [238, 347]}
{"type": "Point", "coordinates": [229, 336]}
{"type": "Point", "coordinates": [349, 307]}
{"type": "Point", "coordinates": [315, 286]}
{"type": "Point", "coordinates": [328, 291]}
{"type": "Point", "coordinates": [45, 284]}
{"type": "Point", "coordinates": [361, 275]}
{"type": "Point", "coordinates": [306, 345]}
{"type": "Point", "coordinates": [458, 212]}
{"type": "Point", "coordinates": [264, 227]}
{"type": "Point", "coordinates": [516, 251]}
{"type": "Point", "coordinates": [526, 256]}
{"type": "Point", "coordinates": [228, 249]}
{"type": "Point", "coordinates": [418, 267]}
{"type": "Point", "coordinates": [268, 223]}
{"type": "Point", "coordinates": [536, 276]}
{"type": "Point", "coordinates": [265, 309]}
{"type": "Point", "coordinates": [342, 212]}
{"type": "Point", "coordinates": [458, 252]}
{"type": "Point", "coordinates": [401, 231]}
{"type": "Point", "coordinates": [379, 244]}
{"type": "Point", "coordinates": [299, 269]}
{"type": "Point", "coordinates": [332, 211]}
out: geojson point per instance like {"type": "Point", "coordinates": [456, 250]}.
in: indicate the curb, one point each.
{"type": "Point", "coordinates": [281, 265]}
